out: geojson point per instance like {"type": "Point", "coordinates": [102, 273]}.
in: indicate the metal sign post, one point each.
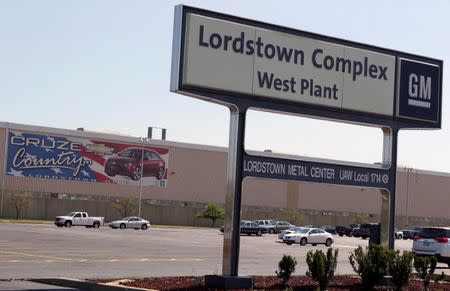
{"type": "Point", "coordinates": [231, 242]}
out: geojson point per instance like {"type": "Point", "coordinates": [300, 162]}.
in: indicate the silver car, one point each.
{"type": "Point", "coordinates": [293, 229]}
{"type": "Point", "coordinates": [282, 225]}
{"type": "Point", "coordinates": [267, 224]}
{"type": "Point", "coordinates": [130, 222]}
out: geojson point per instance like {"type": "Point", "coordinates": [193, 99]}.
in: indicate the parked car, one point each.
{"type": "Point", "coordinates": [433, 241]}
{"type": "Point", "coordinates": [329, 229]}
{"type": "Point", "coordinates": [130, 222]}
{"type": "Point", "coordinates": [282, 225]}
{"type": "Point", "coordinates": [312, 236]}
{"type": "Point", "coordinates": [410, 233]}
{"type": "Point", "coordinates": [243, 221]}
{"type": "Point", "coordinates": [398, 234]}
{"type": "Point", "coordinates": [78, 218]}
{"type": "Point", "coordinates": [249, 228]}
{"type": "Point", "coordinates": [267, 223]}
{"type": "Point", "coordinates": [346, 230]}
{"type": "Point", "coordinates": [362, 231]}
{"type": "Point", "coordinates": [292, 229]}
{"type": "Point", "coordinates": [128, 163]}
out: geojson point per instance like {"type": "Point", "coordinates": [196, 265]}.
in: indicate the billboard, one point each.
{"type": "Point", "coordinates": [214, 52]}
{"type": "Point", "coordinates": [79, 159]}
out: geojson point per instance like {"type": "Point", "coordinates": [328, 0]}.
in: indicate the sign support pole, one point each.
{"type": "Point", "coordinates": [387, 219]}
{"type": "Point", "coordinates": [392, 195]}
{"type": "Point", "coordinates": [231, 243]}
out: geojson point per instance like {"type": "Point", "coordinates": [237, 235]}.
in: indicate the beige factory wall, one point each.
{"type": "Point", "coordinates": [157, 213]}
{"type": "Point", "coordinates": [184, 213]}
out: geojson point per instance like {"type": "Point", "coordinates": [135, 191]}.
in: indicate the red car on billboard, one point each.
{"type": "Point", "coordinates": [128, 163]}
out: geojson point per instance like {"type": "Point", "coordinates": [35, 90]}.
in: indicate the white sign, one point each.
{"type": "Point", "coordinates": [235, 57]}
{"type": "Point", "coordinates": [229, 56]}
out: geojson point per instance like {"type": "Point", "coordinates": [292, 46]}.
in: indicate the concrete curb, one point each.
{"type": "Point", "coordinates": [85, 285]}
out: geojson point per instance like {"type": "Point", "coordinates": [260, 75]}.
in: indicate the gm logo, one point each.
{"type": "Point", "coordinates": [418, 94]}
{"type": "Point", "coordinates": [419, 90]}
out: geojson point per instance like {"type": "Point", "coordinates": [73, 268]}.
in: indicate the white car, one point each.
{"type": "Point", "coordinates": [282, 233]}
{"type": "Point", "coordinates": [398, 234]}
{"type": "Point", "coordinates": [433, 241]}
{"type": "Point", "coordinates": [312, 236]}
{"type": "Point", "coordinates": [130, 222]}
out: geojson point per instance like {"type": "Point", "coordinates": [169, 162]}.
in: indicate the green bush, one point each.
{"type": "Point", "coordinates": [425, 267]}
{"type": "Point", "coordinates": [285, 268]}
{"type": "Point", "coordinates": [320, 267]}
{"type": "Point", "coordinates": [370, 264]}
{"type": "Point", "coordinates": [400, 267]}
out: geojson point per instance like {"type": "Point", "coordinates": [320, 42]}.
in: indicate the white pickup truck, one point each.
{"type": "Point", "coordinates": [79, 218]}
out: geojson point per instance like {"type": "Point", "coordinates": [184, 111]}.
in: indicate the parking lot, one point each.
{"type": "Point", "coordinates": [34, 250]}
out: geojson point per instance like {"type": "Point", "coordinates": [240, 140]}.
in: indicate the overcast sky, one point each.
{"type": "Point", "coordinates": [106, 65]}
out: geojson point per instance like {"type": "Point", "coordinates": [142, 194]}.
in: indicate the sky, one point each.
{"type": "Point", "coordinates": [105, 64]}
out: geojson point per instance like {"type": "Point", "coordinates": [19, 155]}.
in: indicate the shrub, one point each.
{"type": "Point", "coordinates": [371, 264]}
{"type": "Point", "coordinates": [400, 267]}
{"type": "Point", "coordinates": [285, 268]}
{"type": "Point", "coordinates": [425, 267]}
{"type": "Point", "coordinates": [320, 267]}
{"type": "Point", "coordinates": [213, 212]}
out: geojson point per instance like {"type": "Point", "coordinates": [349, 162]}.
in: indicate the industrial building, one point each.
{"type": "Point", "coordinates": [60, 170]}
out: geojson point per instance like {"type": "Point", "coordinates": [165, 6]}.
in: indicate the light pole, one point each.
{"type": "Point", "coordinates": [4, 174]}
{"type": "Point", "coordinates": [142, 140]}
{"type": "Point", "coordinates": [3, 193]}
{"type": "Point", "coordinates": [408, 171]}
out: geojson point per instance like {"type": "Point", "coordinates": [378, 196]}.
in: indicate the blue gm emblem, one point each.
{"type": "Point", "coordinates": [418, 91]}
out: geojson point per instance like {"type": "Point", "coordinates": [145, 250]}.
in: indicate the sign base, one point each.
{"type": "Point", "coordinates": [228, 282]}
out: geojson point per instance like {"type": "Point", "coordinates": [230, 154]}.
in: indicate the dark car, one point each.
{"type": "Point", "coordinates": [249, 228]}
{"type": "Point", "coordinates": [410, 233]}
{"type": "Point", "coordinates": [346, 230]}
{"type": "Point", "coordinates": [329, 229]}
{"type": "Point", "coordinates": [129, 161]}
{"type": "Point", "coordinates": [363, 231]}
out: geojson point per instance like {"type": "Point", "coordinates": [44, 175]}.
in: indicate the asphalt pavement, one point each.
{"type": "Point", "coordinates": [31, 286]}
{"type": "Point", "coordinates": [37, 251]}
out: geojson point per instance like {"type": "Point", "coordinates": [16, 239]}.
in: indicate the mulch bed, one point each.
{"type": "Point", "coordinates": [341, 283]}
